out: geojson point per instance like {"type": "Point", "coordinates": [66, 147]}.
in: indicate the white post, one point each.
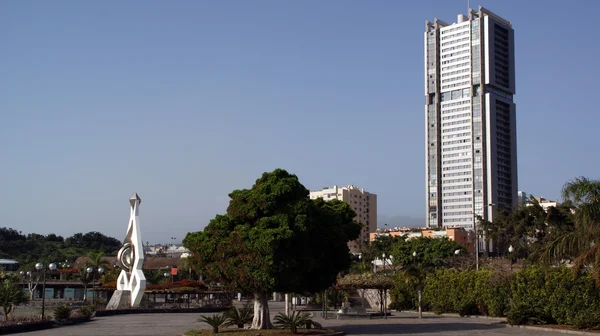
{"type": "Point", "coordinates": [287, 304]}
{"type": "Point", "coordinates": [420, 311]}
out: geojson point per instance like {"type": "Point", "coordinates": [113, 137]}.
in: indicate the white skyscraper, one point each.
{"type": "Point", "coordinates": [471, 144]}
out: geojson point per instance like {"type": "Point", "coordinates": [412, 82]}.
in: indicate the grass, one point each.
{"type": "Point", "coordinates": [270, 332]}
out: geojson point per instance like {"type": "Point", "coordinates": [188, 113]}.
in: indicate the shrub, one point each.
{"type": "Point", "coordinates": [62, 312]}
{"type": "Point", "coordinates": [87, 311]}
{"type": "Point", "coordinates": [531, 295]}
{"type": "Point", "coordinates": [215, 321]}
{"type": "Point", "coordinates": [239, 317]}
{"type": "Point", "coordinates": [295, 320]}
{"type": "Point", "coordinates": [403, 295]}
{"type": "Point", "coordinates": [587, 319]}
{"type": "Point", "coordinates": [521, 313]}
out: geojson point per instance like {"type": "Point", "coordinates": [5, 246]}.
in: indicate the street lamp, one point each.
{"type": "Point", "coordinates": [419, 289]}
{"type": "Point", "coordinates": [91, 272]}
{"type": "Point", "coordinates": [476, 243]}
{"type": "Point", "coordinates": [40, 268]}
{"type": "Point", "coordinates": [384, 310]}
{"type": "Point", "coordinates": [22, 275]}
{"type": "Point", "coordinates": [510, 251]}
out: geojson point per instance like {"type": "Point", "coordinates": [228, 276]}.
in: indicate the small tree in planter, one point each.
{"type": "Point", "coordinates": [11, 295]}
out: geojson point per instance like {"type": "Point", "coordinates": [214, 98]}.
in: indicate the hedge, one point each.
{"type": "Point", "coordinates": [531, 295]}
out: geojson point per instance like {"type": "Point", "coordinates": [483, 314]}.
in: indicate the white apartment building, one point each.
{"type": "Point", "coordinates": [522, 199]}
{"type": "Point", "coordinates": [471, 144]}
{"type": "Point", "coordinates": [362, 202]}
{"type": "Point", "coordinates": [544, 203]}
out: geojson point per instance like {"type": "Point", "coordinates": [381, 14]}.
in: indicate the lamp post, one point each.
{"type": "Point", "coordinates": [418, 287]}
{"type": "Point", "coordinates": [384, 301]}
{"type": "Point", "coordinates": [22, 275]}
{"type": "Point", "coordinates": [510, 251]}
{"type": "Point", "coordinates": [476, 243]}
{"type": "Point", "coordinates": [27, 281]}
{"type": "Point", "coordinates": [166, 275]}
{"type": "Point", "coordinates": [91, 271]}
{"type": "Point", "coordinates": [40, 268]}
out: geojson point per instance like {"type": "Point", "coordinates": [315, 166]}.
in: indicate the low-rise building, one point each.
{"type": "Point", "coordinates": [458, 234]}
{"type": "Point", "coordinates": [544, 203]}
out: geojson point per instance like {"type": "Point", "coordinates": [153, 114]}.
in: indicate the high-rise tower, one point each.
{"type": "Point", "coordinates": [471, 142]}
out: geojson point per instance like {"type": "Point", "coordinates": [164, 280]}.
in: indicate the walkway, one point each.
{"type": "Point", "coordinates": [399, 324]}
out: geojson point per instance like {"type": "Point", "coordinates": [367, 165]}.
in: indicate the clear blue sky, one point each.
{"type": "Point", "coordinates": [185, 101]}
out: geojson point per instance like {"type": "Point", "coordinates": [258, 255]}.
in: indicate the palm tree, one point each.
{"type": "Point", "coordinates": [96, 260]}
{"type": "Point", "coordinates": [85, 278]}
{"type": "Point", "coordinates": [582, 244]}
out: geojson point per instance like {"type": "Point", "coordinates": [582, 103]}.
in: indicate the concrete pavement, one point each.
{"type": "Point", "coordinates": [398, 324]}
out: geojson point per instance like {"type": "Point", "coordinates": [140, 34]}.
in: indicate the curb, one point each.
{"type": "Point", "coordinates": [562, 331]}
{"type": "Point", "coordinates": [336, 333]}
{"type": "Point", "coordinates": [456, 315]}
{"type": "Point", "coordinates": [104, 313]}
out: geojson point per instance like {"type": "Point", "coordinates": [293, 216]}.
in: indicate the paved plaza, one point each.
{"type": "Point", "coordinates": [399, 324]}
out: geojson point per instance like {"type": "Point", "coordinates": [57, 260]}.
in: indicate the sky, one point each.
{"type": "Point", "coordinates": [185, 101]}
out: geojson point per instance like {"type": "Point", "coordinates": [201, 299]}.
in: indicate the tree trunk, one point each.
{"type": "Point", "coordinates": [381, 301]}
{"type": "Point", "coordinates": [261, 320]}
{"type": "Point", "coordinates": [420, 310]}
{"type": "Point", "coordinates": [32, 289]}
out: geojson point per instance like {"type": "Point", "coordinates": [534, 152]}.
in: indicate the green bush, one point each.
{"type": "Point", "coordinates": [294, 321]}
{"type": "Point", "coordinates": [403, 295]}
{"type": "Point", "coordinates": [521, 313]}
{"type": "Point", "coordinates": [62, 312]}
{"type": "Point", "coordinates": [531, 295]}
{"type": "Point", "coordinates": [587, 319]}
{"type": "Point", "coordinates": [240, 317]}
{"type": "Point", "coordinates": [216, 321]}
{"type": "Point", "coordinates": [87, 311]}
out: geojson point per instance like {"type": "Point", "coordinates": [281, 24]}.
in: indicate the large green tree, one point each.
{"type": "Point", "coordinates": [528, 229]}
{"type": "Point", "coordinates": [275, 238]}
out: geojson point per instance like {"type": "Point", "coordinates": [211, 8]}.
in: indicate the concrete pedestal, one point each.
{"type": "Point", "coordinates": [121, 299]}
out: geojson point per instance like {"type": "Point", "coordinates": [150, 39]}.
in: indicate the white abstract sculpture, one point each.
{"type": "Point", "coordinates": [131, 282]}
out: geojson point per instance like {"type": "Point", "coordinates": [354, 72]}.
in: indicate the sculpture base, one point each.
{"type": "Point", "coordinates": [121, 299]}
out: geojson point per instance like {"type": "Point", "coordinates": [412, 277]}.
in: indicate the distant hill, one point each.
{"type": "Point", "coordinates": [400, 221]}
